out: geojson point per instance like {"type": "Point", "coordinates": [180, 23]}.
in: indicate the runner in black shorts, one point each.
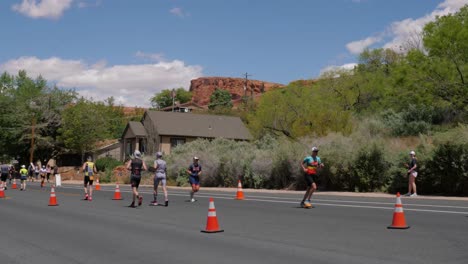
{"type": "Point", "coordinates": [5, 171]}
{"type": "Point", "coordinates": [89, 169]}
{"type": "Point", "coordinates": [310, 165]}
{"type": "Point", "coordinates": [135, 166]}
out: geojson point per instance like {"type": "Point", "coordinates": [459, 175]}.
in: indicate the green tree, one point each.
{"type": "Point", "coordinates": [446, 40]}
{"type": "Point", "coordinates": [83, 125]}
{"type": "Point", "coordinates": [220, 100]}
{"type": "Point", "coordinates": [164, 98]}
{"type": "Point", "coordinates": [29, 101]}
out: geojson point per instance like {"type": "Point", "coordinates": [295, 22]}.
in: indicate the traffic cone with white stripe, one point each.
{"type": "Point", "coordinates": [212, 225]}
{"type": "Point", "coordinates": [398, 216]}
{"type": "Point", "coordinates": [53, 198]}
{"type": "Point", "coordinates": [2, 191]}
{"type": "Point", "coordinates": [117, 195]}
{"type": "Point", "coordinates": [14, 186]}
{"type": "Point", "coordinates": [98, 186]}
{"type": "Point", "coordinates": [240, 192]}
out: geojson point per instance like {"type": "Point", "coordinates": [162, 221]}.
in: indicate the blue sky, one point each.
{"type": "Point", "coordinates": [132, 49]}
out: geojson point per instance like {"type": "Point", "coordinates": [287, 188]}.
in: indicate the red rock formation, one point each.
{"type": "Point", "coordinates": [203, 87]}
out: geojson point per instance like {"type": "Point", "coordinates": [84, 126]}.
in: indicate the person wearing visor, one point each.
{"type": "Point", "coordinates": [194, 172]}
{"type": "Point", "coordinates": [310, 165]}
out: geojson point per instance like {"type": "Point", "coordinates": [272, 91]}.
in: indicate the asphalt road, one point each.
{"type": "Point", "coordinates": [265, 228]}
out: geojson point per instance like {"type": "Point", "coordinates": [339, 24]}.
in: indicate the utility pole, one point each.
{"type": "Point", "coordinates": [246, 76]}
{"type": "Point", "coordinates": [173, 98]}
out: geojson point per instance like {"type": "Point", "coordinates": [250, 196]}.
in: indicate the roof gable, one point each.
{"type": "Point", "coordinates": [198, 125]}
{"type": "Point", "coordinates": [134, 129]}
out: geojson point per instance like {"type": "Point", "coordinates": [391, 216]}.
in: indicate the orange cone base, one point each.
{"type": "Point", "coordinates": [240, 197]}
{"type": "Point", "coordinates": [212, 231]}
{"type": "Point", "coordinates": [398, 227]}
{"type": "Point", "coordinates": [117, 199]}
{"type": "Point", "coordinates": [53, 204]}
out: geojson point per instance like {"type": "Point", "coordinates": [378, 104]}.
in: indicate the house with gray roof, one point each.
{"type": "Point", "coordinates": [162, 131]}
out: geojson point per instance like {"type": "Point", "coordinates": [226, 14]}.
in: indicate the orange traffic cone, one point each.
{"type": "Point", "coordinates": [53, 198]}
{"type": "Point", "coordinates": [240, 193]}
{"type": "Point", "coordinates": [98, 186]}
{"type": "Point", "coordinates": [117, 193]}
{"type": "Point", "coordinates": [2, 191]}
{"type": "Point", "coordinates": [212, 225]}
{"type": "Point", "coordinates": [14, 186]}
{"type": "Point", "coordinates": [398, 216]}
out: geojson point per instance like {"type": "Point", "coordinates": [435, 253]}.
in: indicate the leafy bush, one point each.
{"type": "Point", "coordinates": [413, 121]}
{"type": "Point", "coordinates": [107, 163]}
{"type": "Point", "coordinates": [446, 172]}
{"type": "Point", "coordinates": [370, 169]}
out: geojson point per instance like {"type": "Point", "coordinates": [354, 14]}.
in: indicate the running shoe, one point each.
{"type": "Point", "coordinates": [192, 200]}
{"type": "Point", "coordinates": [414, 195]}
{"type": "Point", "coordinates": [166, 203]}
{"type": "Point", "coordinates": [408, 194]}
{"type": "Point", "coordinates": [140, 200]}
{"type": "Point", "coordinates": [90, 198]}
{"type": "Point", "coordinates": [302, 204]}
{"type": "Point", "coordinates": [132, 205]}
{"type": "Point", "coordinates": [154, 203]}
{"type": "Point", "coordinates": [86, 197]}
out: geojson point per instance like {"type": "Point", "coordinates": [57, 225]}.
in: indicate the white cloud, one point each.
{"type": "Point", "coordinates": [358, 46]}
{"type": "Point", "coordinates": [400, 32]}
{"type": "Point", "coordinates": [42, 8]}
{"type": "Point", "coordinates": [346, 67]}
{"type": "Point", "coordinates": [131, 85]}
{"type": "Point", "coordinates": [178, 12]}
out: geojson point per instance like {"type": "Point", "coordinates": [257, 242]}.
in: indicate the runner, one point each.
{"type": "Point", "coordinates": [160, 177]}
{"type": "Point", "coordinates": [48, 170]}
{"type": "Point", "coordinates": [89, 169]}
{"type": "Point", "coordinates": [4, 171]}
{"type": "Point", "coordinates": [43, 173]}
{"type": "Point", "coordinates": [194, 172]}
{"type": "Point", "coordinates": [309, 165]}
{"type": "Point", "coordinates": [37, 169]}
{"type": "Point", "coordinates": [31, 170]}
{"type": "Point", "coordinates": [24, 176]}
{"type": "Point", "coordinates": [135, 166]}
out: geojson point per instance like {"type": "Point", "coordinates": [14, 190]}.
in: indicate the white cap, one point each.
{"type": "Point", "coordinates": [158, 154]}
{"type": "Point", "coordinates": [412, 152]}
{"type": "Point", "coordinates": [137, 154]}
{"type": "Point", "coordinates": [22, 166]}
{"type": "Point", "coordinates": [195, 158]}
{"type": "Point", "coordinates": [314, 149]}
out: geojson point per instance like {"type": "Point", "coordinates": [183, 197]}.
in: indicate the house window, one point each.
{"type": "Point", "coordinates": [177, 141]}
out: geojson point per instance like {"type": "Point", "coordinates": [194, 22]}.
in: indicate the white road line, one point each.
{"type": "Point", "coordinates": [295, 202]}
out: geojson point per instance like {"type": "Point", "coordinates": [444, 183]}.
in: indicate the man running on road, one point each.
{"type": "Point", "coordinates": [136, 165]}
{"type": "Point", "coordinates": [24, 177]}
{"type": "Point", "coordinates": [310, 165]}
{"type": "Point", "coordinates": [89, 169]}
{"type": "Point", "coordinates": [160, 177]}
{"type": "Point", "coordinates": [194, 172]}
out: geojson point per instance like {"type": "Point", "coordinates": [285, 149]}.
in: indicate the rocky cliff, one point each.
{"type": "Point", "coordinates": [203, 87]}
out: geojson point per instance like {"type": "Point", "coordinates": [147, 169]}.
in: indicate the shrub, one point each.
{"type": "Point", "coordinates": [446, 172]}
{"type": "Point", "coordinates": [107, 163]}
{"type": "Point", "coordinates": [370, 169]}
{"type": "Point", "coordinates": [413, 121]}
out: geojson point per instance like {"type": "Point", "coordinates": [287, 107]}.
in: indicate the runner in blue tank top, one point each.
{"type": "Point", "coordinates": [194, 172]}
